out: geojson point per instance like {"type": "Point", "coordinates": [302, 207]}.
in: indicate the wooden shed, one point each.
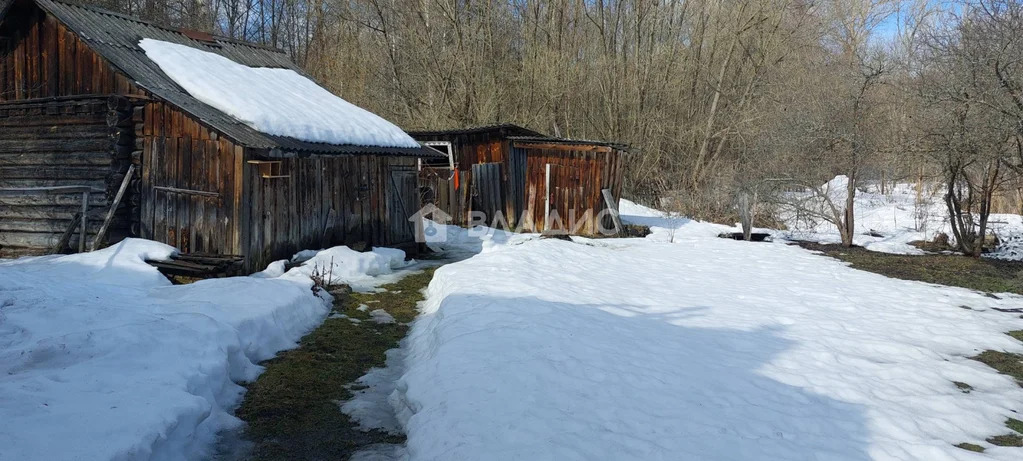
{"type": "Point", "coordinates": [81, 104]}
{"type": "Point", "coordinates": [535, 182]}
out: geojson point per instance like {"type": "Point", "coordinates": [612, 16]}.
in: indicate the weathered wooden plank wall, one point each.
{"type": "Point", "coordinates": [488, 191]}
{"type": "Point", "coordinates": [325, 201]}
{"type": "Point", "coordinates": [42, 58]}
{"type": "Point", "coordinates": [190, 193]}
{"type": "Point", "coordinates": [578, 174]}
{"type": "Point", "coordinates": [55, 129]}
{"type": "Point", "coordinates": [468, 149]}
{"type": "Point", "coordinates": [438, 187]}
{"type": "Point", "coordinates": [195, 189]}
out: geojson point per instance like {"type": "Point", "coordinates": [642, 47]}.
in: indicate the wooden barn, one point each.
{"type": "Point", "coordinates": [537, 182]}
{"type": "Point", "coordinates": [82, 107]}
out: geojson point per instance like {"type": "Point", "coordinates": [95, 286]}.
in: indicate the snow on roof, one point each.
{"type": "Point", "coordinates": [278, 102]}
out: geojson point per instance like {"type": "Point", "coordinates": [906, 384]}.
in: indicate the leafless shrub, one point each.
{"type": "Point", "coordinates": [322, 276]}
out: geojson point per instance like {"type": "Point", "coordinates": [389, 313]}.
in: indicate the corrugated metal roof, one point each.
{"type": "Point", "coordinates": [507, 129]}
{"type": "Point", "coordinates": [573, 142]}
{"type": "Point", "coordinates": [514, 133]}
{"type": "Point", "coordinates": [116, 37]}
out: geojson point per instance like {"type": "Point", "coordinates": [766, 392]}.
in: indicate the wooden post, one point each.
{"type": "Point", "coordinates": [611, 205]}
{"type": "Point", "coordinates": [113, 209]}
{"type": "Point", "coordinates": [83, 232]}
{"type": "Point", "coordinates": [65, 238]}
{"type": "Point", "coordinates": [547, 199]}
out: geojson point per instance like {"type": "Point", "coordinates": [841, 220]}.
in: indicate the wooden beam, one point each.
{"type": "Point", "coordinates": [175, 190]}
{"type": "Point", "coordinates": [84, 231]}
{"type": "Point", "coordinates": [53, 190]}
{"type": "Point", "coordinates": [113, 209]}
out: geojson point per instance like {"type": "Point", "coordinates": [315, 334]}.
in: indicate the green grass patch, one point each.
{"type": "Point", "coordinates": [1005, 362]}
{"type": "Point", "coordinates": [971, 447]}
{"type": "Point", "coordinates": [1015, 424]}
{"type": "Point", "coordinates": [1006, 440]}
{"type": "Point", "coordinates": [981, 274]}
{"type": "Point", "coordinates": [292, 409]}
{"type": "Point", "coordinates": [966, 388]}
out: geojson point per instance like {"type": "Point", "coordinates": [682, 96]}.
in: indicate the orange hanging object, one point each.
{"type": "Point", "coordinates": [455, 174]}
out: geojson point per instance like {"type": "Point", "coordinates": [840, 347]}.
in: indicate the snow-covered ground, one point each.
{"type": "Point", "coordinates": [703, 348]}
{"type": "Point", "coordinates": [274, 101]}
{"type": "Point", "coordinates": [899, 215]}
{"type": "Point", "coordinates": [681, 345]}
{"type": "Point", "coordinates": [102, 358]}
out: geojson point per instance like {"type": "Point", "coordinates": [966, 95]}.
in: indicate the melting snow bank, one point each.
{"type": "Point", "coordinates": [363, 271]}
{"type": "Point", "coordinates": [704, 349]}
{"type": "Point", "coordinates": [102, 358]}
{"type": "Point", "coordinates": [369, 406]}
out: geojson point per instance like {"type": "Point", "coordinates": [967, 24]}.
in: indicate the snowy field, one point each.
{"type": "Point", "coordinates": [899, 216]}
{"type": "Point", "coordinates": [102, 358]}
{"type": "Point", "coordinates": [705, 348]}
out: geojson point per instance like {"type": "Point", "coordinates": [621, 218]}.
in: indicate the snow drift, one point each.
{"type": "Point", "coordinates": [705, 349]}
{"type": "Point", "coordinates": [102, 358]}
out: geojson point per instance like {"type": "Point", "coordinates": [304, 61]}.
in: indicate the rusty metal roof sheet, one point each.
{"type": "Point", "coordinates": [116, 37]}
{"type": "Point", "coordinates": [505, 129]}
{"type": "Point", "coordinates": [566, 141]}
{"type": "Point", "coordinates": [513, 132]}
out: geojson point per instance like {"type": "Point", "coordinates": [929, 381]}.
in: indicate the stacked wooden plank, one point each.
{"type": "Point", "coordinates": [61, 142]}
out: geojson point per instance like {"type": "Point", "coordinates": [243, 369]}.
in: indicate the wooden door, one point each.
{"type": "Point", "coordinates": [564, 197]}
{"type": "Point", "coordinates": [186, 197]}
{"type": "Point", "coordinates": [402, 203]}
{"type": "Point", "coordinates": [486, 190]}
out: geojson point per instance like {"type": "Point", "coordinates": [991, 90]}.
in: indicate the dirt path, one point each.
{"type": "Point", "coordinates": [292, 410]}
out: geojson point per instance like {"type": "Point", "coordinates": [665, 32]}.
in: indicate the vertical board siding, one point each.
{"type": "Point", "coordinates": [41, 58]}
{"type": "Point", "coordinates": [330, 200]}
{"type": "Point", "coordinates": [577, 178]}
{"type": "Point", "coordinates": [189, 187]}
{"type": "Point", "coordinates": [579, 172]}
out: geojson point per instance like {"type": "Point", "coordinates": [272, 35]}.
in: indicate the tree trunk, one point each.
{"type": "Point", "coordinates": [849, 220]}
{"type": "Point", "coordinates": [745, 206]}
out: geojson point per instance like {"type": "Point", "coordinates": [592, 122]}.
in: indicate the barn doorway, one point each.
{"type": "Point", "coordinates": [402, 203]}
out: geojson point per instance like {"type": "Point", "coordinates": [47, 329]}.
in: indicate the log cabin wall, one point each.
{"type": "Point", "coordinates": [191, 189]}
{"type": "Point", "coordinates": [57, 128]}
{"type": "Point", "coordinates": [62, 142]}
{"type": "Point", "coordinates": [322, 201]}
